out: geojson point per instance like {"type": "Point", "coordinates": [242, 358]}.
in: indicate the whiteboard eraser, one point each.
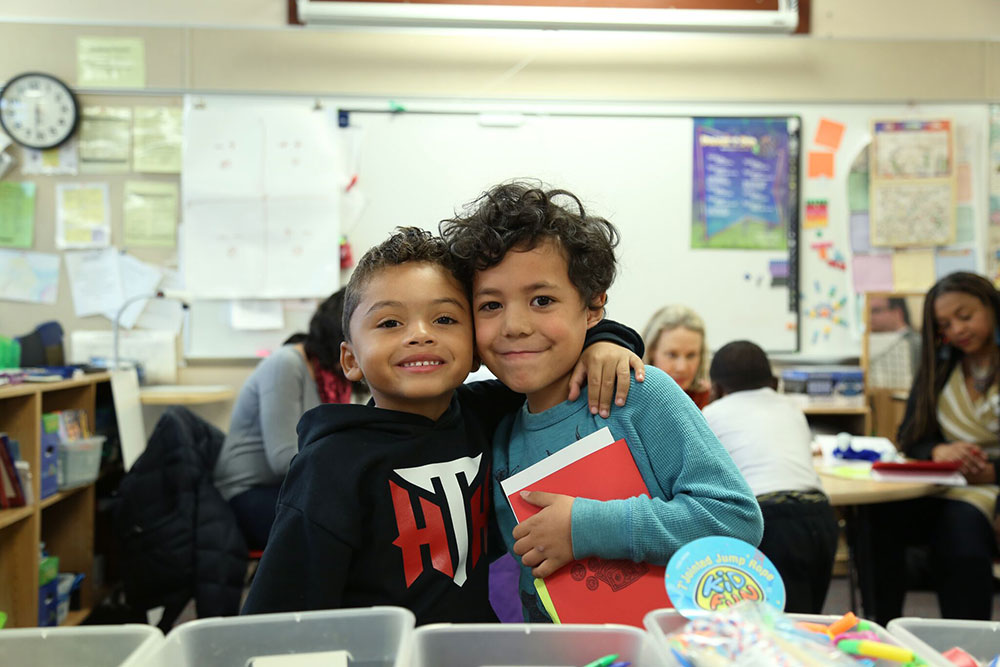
{"type": "Point", "coordinates": [501, 119]}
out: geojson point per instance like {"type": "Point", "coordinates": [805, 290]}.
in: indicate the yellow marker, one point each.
{"type": "Point", "coordinates": [871, 649]}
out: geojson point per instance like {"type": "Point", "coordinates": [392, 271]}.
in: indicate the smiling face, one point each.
{"type": "Point", "coordinates": [531, 323]}
{"type": "Point", "coordinates": [411, 338]}
{"type": "Point", "coordinates": [964, 321]}
{"type": "Point", "coordinates": [678, 353]}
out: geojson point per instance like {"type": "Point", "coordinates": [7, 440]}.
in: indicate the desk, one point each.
{"type": "Point", "coordinates": [843, 491]}
{"type": "Point", "coordinates": [195, 394]}
{"type": "Point", "coordinates": [854, 495]}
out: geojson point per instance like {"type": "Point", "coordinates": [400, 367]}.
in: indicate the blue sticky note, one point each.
{"type": "Point", "coordinates": [950, 261]}
{"type": "Point", "coordinates": [860, 234]}
{"type": "Point", "coordinates": [714, 573]}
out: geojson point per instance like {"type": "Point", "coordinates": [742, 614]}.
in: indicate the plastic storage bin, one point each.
{"type": "Point", "coordinates": [980, 639]}
{"type": "Point", "coordinates": [85, 646]}
{"type": "Point", "coordinates": [79, 461]}
{"type": "Point", "coordinates": [662, 622]}
{"type": "Point", "coordinates": [375, 636]}
{"type": "Point", "coordinates": [512, 645]}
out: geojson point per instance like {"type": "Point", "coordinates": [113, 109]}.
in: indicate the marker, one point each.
{"type": "Point", "coordinates": [352, 183]}
{"type": "Point", "coordinates": [871, 649]}
{"type": "Point", "coordinates": [842, 624]}
{"type": "Point", "coordinates": [606, 661]}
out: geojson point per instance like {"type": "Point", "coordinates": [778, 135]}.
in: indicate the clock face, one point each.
{"type": "Point", "coordinates": [38, 110]}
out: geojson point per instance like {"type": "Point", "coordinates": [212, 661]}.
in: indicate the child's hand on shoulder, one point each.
{"type": "Point", "coordinates": [545, 541]}
{"type": "Point", "coordinates": [605, 366]}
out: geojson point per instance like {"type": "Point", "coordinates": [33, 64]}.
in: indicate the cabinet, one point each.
{"type": "Point", "coordinates": [64, 521]}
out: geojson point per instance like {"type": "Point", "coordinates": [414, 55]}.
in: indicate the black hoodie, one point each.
{"type": "Point", "coordinates": [382, 507]}
{"type": "Point", "coordinates": [387, 507]}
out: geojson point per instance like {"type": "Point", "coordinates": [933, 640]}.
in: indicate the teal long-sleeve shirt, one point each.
{"type": "Point", "coordinates": [695, 488]}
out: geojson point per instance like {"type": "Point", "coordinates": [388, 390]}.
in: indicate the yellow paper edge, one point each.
{"type": "Point", "coordinates": [543, 595]}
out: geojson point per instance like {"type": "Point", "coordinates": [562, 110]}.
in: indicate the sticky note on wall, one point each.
{"type": "Point", "coordinates": [872, 273]}
{"type": "Point", "coordinates": [820, 164]}
{"type": "Point", "coordinates": [829, 133]}
{"type": "Point", "coordinates": [913, 270]}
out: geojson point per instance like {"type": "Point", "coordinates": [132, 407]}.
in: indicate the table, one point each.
{"type": "Point", "coordinates": [176, 394]}
{"type": "Point", "coordinates": [854, 495]}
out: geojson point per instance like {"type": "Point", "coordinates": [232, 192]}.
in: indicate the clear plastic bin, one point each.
{"type": "Point", "coordinates": [515, 644]}
{"type": "Point", "coordinates": [85, 646]}
{"type": "Point", "coordinates": [980, 639]}
{"type": "Point", "coordinates": [79, 461]}
{"type": "Point", "coordinates": [375, 637]}
{"type": "Point", "coordinates": [662, 622]}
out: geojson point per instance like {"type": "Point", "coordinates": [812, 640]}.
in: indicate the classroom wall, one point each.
{"type": "Point", "coordinates": [889, 51]}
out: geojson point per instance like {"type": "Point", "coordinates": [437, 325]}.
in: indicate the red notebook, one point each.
{"type": "Point", "coordinates": [592, 590]}
{"type": "Point", "coordinates": [928, 472]}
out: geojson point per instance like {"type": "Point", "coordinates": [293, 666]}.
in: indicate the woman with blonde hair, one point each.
{"type": "Point", "coordinates": [675, 343]}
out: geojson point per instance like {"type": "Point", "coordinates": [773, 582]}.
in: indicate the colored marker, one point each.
{"type": "Point", "coordinates": [871, 649]}
{"type": "Point", "coordinates": [843, 624]}
{"type": "Point", "coordinates": [606, 661]}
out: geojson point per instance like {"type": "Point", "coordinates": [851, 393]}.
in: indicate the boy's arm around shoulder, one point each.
{"type": "Point", "coordinates": [306, 563]}
{"type": "Point", "coordinates": [615, 332]}
{"type": "Point", "coordinates": [706, 494]}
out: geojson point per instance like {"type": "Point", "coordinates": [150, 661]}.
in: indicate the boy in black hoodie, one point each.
{"type": "Point", "coordinates": [389, 504]}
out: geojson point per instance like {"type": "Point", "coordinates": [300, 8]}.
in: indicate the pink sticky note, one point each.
{"type": "Point", "coordinates": [829, 133]}
{"type": "Point", "coordinates": [820, 164]}
{"type": "Point", "coordinates": [872, 273]}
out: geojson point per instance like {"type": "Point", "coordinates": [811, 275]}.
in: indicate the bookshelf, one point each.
{"type": "Point", "coordinates": [64, 521]}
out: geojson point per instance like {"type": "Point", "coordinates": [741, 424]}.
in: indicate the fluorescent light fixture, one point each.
{"type": "Point", "coordinates": [784, 19]}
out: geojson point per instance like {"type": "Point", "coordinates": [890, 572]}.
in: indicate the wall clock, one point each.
{"type": "Point", "coordinates": [38, 110]}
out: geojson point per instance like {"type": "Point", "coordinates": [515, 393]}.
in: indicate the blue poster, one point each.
{"type": "Point", "coordinates": [741, 184]}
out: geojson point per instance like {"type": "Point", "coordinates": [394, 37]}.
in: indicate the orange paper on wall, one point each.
{"type": "Point", "coordinates": [820, 164]}
{"type": "Point", "coordinates": [593, 590]}
{"type": "Point", "coordinates": [829, 133]}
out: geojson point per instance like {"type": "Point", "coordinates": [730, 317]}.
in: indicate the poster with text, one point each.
{"type": "Point", "coordinates": [743, 182]}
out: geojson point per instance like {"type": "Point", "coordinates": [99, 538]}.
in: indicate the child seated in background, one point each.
{"type": "Point", "coordinates": [389, 504]}
{"type": "Point", "coordinates": [540, 268]}
{"type": "Point", "coordinates": [769, 439]}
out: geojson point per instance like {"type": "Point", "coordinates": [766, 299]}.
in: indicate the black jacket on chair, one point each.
{"type": "Point", "coordinates": [179, 539]}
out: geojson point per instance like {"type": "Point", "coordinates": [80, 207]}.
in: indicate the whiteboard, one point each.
{"type": "Point", "coordinates": [417, 168]}
{"type": "Point", "coordinates": [632, 164]}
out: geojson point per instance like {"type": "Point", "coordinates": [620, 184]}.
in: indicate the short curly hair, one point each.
{"type": "Point", "coordinates": [520, 215]}
{"type": "Point", "coordinates": [406, 244]}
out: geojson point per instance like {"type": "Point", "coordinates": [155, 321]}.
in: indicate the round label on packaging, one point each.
{"type": "Point", "coordinates": [714, 573]}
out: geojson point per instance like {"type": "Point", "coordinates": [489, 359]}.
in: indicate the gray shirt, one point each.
{"type": "Point", "coordinates": [262, 440]}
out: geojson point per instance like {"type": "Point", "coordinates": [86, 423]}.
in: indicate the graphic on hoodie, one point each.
{"type": "Point", "coordinates": [445, 507]}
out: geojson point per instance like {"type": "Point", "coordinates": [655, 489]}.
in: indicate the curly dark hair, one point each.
{"type": "Point", "coordinates": [521, 215]}
{"type": "Point", "coordinates": [406, 244]}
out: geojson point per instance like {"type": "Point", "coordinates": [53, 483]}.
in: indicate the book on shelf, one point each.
{"type": "Point", "coordinates": [11, 493]}
{"type": "Point", "coordinates": [592, 590]}
{"type": "Point", "coordinates": [73, 425]}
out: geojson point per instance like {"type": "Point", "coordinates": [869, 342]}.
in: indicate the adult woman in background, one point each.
{"type": "Point", "coordinates": [951, 415]}
{"type": "Point", "coordinates": [675, 343]}
{"type": "Point", "coordinates": [261, 441]}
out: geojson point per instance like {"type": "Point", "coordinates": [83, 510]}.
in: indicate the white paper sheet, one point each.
{"type": "Point", "coordinates": [164, 314]}
{"type": "Point", "coordinates": [63, 160]}
{"type": "Point", "coordinates": [256, 314]}
{"type": "Point", "coordinates": [29, 276]}
{"type": "Point", "coordinates": [261, 214]}
{"type": "Point", "coordinates": [223, 254]}
{"type": "Point", "coordinates": [155, 350]}
{"type": "Point", "coordinates": [128, 412]}
{"type": "Point", "coordinates": [137, 278]}
{"type": "Point", "coordinates": [94, 281]}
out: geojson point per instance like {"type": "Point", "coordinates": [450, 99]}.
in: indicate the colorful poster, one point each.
{"type": "Point", "coordinates": [817, 214]}
{"type": "Point", "coordinates": [17, 214]}
{"type": "Point", "coordinates": [743, 196]}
